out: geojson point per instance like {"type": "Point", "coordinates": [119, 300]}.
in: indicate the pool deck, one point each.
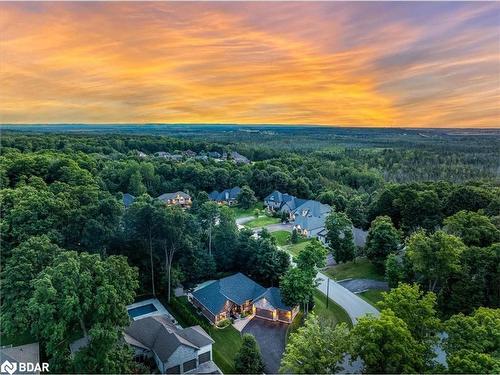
{"type": "Point", "coordinates": [160, 309]}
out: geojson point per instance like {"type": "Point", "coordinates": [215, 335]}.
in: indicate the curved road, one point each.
{"type": "Point", "coordinates": [354, 305]}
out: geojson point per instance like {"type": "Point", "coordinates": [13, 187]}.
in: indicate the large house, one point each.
{"type": "Point", "coordinates": [238, 158]}
{"type": "Point", "coordinates": [228, 196]}
{"type": "Point", "coordinates": [238, 294]}
{"type": "Point", "coordinates": [179, 198]}
{"type": "Point", "coordinates": [282, 202]}
{"type": "Point", "coordinates": [175, 350]}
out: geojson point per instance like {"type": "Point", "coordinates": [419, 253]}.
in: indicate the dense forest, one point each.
{"type": "Point", "coordinates": [73, 256]}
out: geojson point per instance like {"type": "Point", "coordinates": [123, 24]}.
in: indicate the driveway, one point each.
{"type": "Point", "coordinates": [360, 285]}
{"type": "Point", "coordinates": [355, 306]}
{"type": "Point", "coordinates": [276, 227]}
{"type": "Point", "coordinates": [271, 338]}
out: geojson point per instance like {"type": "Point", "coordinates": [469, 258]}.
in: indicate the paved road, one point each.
{"type": "Point", "coordinates": [243, 220]}
{"type": "Point", "coordinates": [271, 337]}
{"type": "Point", "coordinates": [360, 285]}
{"type": "Point", "coordinates": [355, 306]}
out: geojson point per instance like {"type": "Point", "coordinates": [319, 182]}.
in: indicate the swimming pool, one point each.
{"type": "Point", "coordinates": [141, 310]}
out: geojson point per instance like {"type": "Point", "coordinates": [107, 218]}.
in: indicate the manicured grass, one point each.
{"type": "Point", "coordinates": [372, 296]}
{"type": "Point", "coordinates": [295, 248]}
{"type": "Point", "coordinates": [360, 269]}
{"type": "Point", "coordinates": [262, 221]}
{"type": "Point", "coordinates": [282, 237]}
{"type": "Point", "coordinates": [227, 340]}
{"type": "Point", "coordinates": [243, 212]}
{"type": "Point", "coordinates": [333, 313]}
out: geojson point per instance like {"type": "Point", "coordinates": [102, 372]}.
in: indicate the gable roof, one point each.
{"type": "Point", "coordinates": [225, 195]}
{"type": "Point", "coordinates": [273, 296]}
{"type": "Point", "coordinates": [310, 222]}
{"type": "Point", "coordinates": [128, 199]}
{"type": "Point", "coordinates": [157, 333]}
{"type": "Point", "coordinates": [237, 288]}
{"type": "Point", "coordinates": [313, 208]}
{"type": "Point", "coordinates": [169, 196]}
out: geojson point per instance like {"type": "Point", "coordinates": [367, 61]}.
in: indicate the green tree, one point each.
{"type": "Point", "coordinates": [310, 258]}
{"type": "Point", "coordinates": [225, 240]}
{"type": "Point", "coordinates": [472, 344]}
{"type": "Point", "coordinates": [315, 348]}
{"type": "Point", "coordinates": [23, 266]}
{"type": "Point", "coordinates": [417, 309]}
{"type": "Point", "coordinates": [80, 290]}
{"type": "Point", "coordinates": [172, 235]}
{"type": "Point", "coordinates": [294, 237]}
{"type": "Point", "coordinates": [339, 237]}
{"type": "Point", "coordinates": [394, 270]}
{"type": "Point", "coordinates": [297, 287]}
{"type": "Point", "coordinates": [385, 345]}
{"type": "Point", "coordinates": [140, 224]}
{"type": "Point", "coordinates": [135, 185]}
{"type": "Point", "coordinates": [248, 359]}
{"type": "Point", "coordinates": [436, 256]}
{"type": "Point", "coordinates": [473, 228]}
{"type": "Point", "coordinates": [246, 198]}
{"type": "Point", "coordinates": [106, 353]}
{"type": "Point", "coordinates": [383, 239]}
{"type": "Point", "coordinates": [476, 283]}
{"type": "Point", "coordinates": [209, 213]}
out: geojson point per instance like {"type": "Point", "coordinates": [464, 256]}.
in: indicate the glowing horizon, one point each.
{"type": "Point", "coordinates": [333, 64]}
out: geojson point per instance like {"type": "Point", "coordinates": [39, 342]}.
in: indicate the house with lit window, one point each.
{"type": "Point", "coordinates": [179, 198]}
{"type": "Point", "coordinates": [228, 196]}
{"type": "Point", "coordinates": [238, 295]}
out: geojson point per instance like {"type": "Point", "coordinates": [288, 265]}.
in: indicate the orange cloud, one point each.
{"type": "Point", "coordinates": [287, 63]}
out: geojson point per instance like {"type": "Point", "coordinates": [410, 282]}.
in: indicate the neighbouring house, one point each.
{"type": "Point", "coordinates": [282, 202]}
{"type": "Point", "coordinates": [141, 154]}
{"type": "Point", "coordinates": [358, 235]}
{"type": "Point", "coordinates": [309, 226]}
{"type": "Point", "coordinates": [190, 153]}
{"type": "Point", "coordinates": [238, 158]}
{"type": "Point", "coordinates": [228, 196]}
{"type": "Point", "coordinates": [175, 350]}
{"type": "Point", "coordinates": [312, 208]}
{"type": "Point", "coordinates": [214, 154]}
{"type": "Point", "coordinates": [235, 295]}
{"type": "Point", "coordinates": [128, 199]}
{"type": "Point", "coordinates": [179, 198]}
{"type": "Point", "coordinates": [29, 353]}
{"type": "Point", "coordinates": [167, 155]}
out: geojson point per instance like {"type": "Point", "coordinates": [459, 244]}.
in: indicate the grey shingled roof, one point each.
{"type": "Point", "coordinates": [237, 288]}
{"type": "Point", "coordinates": [225, 194]}
{"type": "Point", "coordinates": [273, 296]}
{"type": "Point", "coordinates": [22, 353]}
{"type": "Point", "coordinates": [313, 208]}
{"type": "Point", "coordinates": [309, 223]}
{"type": "Point", "coordinates": [158, 334]}
{"type": "Point", "coordinates": [168, 196]}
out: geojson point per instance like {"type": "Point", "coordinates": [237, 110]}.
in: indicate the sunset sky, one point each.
{"type": "Point", "coordinates": [326, 63]}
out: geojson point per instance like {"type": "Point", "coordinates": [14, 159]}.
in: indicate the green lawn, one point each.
{"type": "Point", "coordinates": [333, 313]}
{"type": "Point", "coordinates": [227, 340]}
{"type": "Point", "coordinates": [372, 296]}
{"type": "Point", "coordinates": [281, 236]}
{"type": "Point", "coordinates": [361, 269]}
{"type": "Point", "coordinates": [262, 221]}
{"type": "Point", "coordinates": [243, 212]}
{"type": "Point", "coordinates": [295, 248]}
